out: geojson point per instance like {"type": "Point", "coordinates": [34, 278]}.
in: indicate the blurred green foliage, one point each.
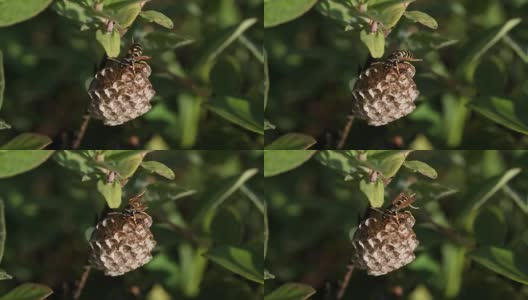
{"type": "Point", "coordinates": [472, 80]}
{"type": "Point", "coordinates": [206, 206]}
{"type": "Point", "coordinates": [203, 52]}
{"type": "Point", "coordinates": [471, 223]}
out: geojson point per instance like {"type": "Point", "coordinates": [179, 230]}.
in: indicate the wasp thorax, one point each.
{"type": "Point", "coordinates": [122, 91]}
{"type": "Point", "coordinates": [386, 91]}
{"type": "Point", "coordinates": [384, 243]}
{"type": "Point", "coordinates": [122, 241]}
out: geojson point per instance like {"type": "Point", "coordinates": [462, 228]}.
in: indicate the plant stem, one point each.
{"type": "Point", "coordinates": [82, 131]}
{"type": "Point", "coordinates": [345, 282]}
{"type": "Point", "coordinates": [345, 132]}
{"type": "Point", "coordinates": [82, 282]}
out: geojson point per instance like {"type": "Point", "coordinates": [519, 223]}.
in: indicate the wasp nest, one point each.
{"type": "Point", "coordinates": [121, 93]}
{"type": "Point", "coordinates": [383, 94]}
{"type": "Point", "coordinates": [384, 244]}
{"type": "Point", "coordinates": [122, 242]}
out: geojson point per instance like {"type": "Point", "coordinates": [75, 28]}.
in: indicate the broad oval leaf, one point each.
{"type": "Point", "coordinates": [280, 161]}
{"type": "Point", "coordinates": [124, 12]}
{"type": "Point", "coordinates": [239, 111]}
{"type": "Point", "coordinates": [344, 161]}
{"type": "Point", "coordinates": [374, 191]}
{"type": "Point", "coordinates": [158, 168]}
{"type": "Point", "coordinates": [111, 192]}
{"type": "Point", "coordinates": [503, 111]}
{"type": "Point", "coordinates": [388, 162]}
{"type": "Point", "coordinates": [14, 162]}
{"type": "Point", "coordinates": [27, 141]}
{"type": "Point", "coordinates": [422, 18]}
{"type": "Point", "coordinates": [375, 42]}
{"type": "Point", "coordinates": [157, 17]}
{"type": "Point", "coordinates": [292, 141]}
{"type": "Point", "coordinates": [279, 11]}
{"type": "Point", "coordinates": [111, 42]}
{"type": "Point", "coordinates": [124, 162]}
{"type": "Point", "coordinates": [502, 261]}
{"type": "Point", "coordinates": [28, 291]}
{"type": "Point", "coordinates": [15, 11]}
{"type": "Point", "coordinates": [421, 167]}
{"type": "Point", "coordinates": [240, 261]}
{"type": "Point", "coordinates": [388, 12]}
{"type": "Point", "coordinates": [291, 291]}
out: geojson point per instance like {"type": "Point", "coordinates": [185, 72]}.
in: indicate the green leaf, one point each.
{"type": "Point", "coordinates": [516, 48]}
{"type": "Point", "coordinates": [240, 261]}
{"type": "Point", "coordinates": [266, 79]}
{"type": "Point", "coordinates": [3, 231]}
{"type": "Point", "coordinates": [2, 80]}
{"type": "Point", "coordinates": [28, 291]}
{"type": "Point", "coordinates": [210, 207]}
{"type": "Point", "coordinates": [478, 195]}
{"type": "Point", "coordinates": [27, 141]}
{"type": "Point", "coordinates": [343, 161]}
{"type": "Point", "coordinates": [503, 262]}
{"type": "Point", "coordinates": [479, 45]}
{"type": "Point", "coordinates": [124, 12]}
{"type": "Point", "coordinates": [421, 167]}
{"type": "Point", "coordinates": [291, 291]}
{"type": "Point", "coordinates": [161, 41]}
{"type": "Point", "coordinates": [374, 191]}
{"type": "Point", "coordinates": [158, 18]}
{"type": "Point", "coordinates": [389, 12]}
{"type": "Point", "coordinates": [375, 42]}
{"type": "Point", "coordinates": [292, 141]}
{"type": "Point", "coordinates": [12, 12]}
{"type": "Point", "coordinates": [158, 168]}
{"type": "Point", "coordinates": [4, 275]}
{"type": "Point", "coordinates": [266, 229]}
{"type": "Point", "coordinates": [422, 18]}
{"type": "Point", "coordinates": [222, 40]}
{"type": "Point", "coordinates": [490, 227]}
{"type": "Point", "coordinates": [238, 111]}
{"type": "Point", "coordinates": [335, 9]}
{"type": "Point", "coordinates": [453, 265]}
{"type": "Point", "coordinates": [280, 161]}
{"type": "Point", "coordinates": [14, 162]}
{"type": "Point", "coordinates": [503, 111]}
{"type": "Point", "coordinates": [279, 11]}
{"type": "Point", "coordinates": [124, 162]}
{"type": "Point", "coordinates": [111, 42]}
{"type": "Point", "coordinates": [189, 118]}
{"type": "Point", "coordinates": [387, 162]}
{"type": "Point", "coordinates": [455, 115]}
{"type": "Point", "coordinates": [111, 192]}
{"type": "Point", "coordinates": [73, 10]}
{"type": "Point", "coordinates": [77, 161]}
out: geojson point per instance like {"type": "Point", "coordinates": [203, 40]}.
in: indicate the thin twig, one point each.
{"type": "Point", "coordinates": [345, 132]}
{"type": "Point", "coordinates": [82, 282]}
{"type": "Point", "coordinates": [82, 131]}
{"type": "Point", "coordinates": [345, 282]}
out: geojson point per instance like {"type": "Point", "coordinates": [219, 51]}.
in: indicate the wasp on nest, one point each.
{"type": "Point", "coordinates": [122, 241]}
{"type": "Point", "coordinates": [386, 91]}
{"type": "Point", "coordinates": [122, 91]}
{"type": "Point", "coordinates": [386, 242]}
